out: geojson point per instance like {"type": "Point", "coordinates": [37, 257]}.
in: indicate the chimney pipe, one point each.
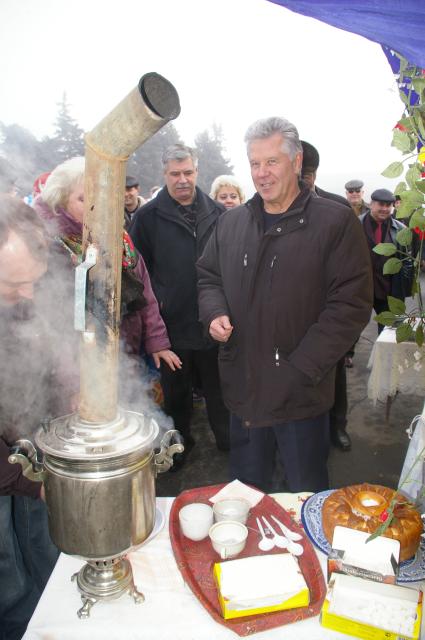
{"type": "Point", "coordinates": [147, 108]}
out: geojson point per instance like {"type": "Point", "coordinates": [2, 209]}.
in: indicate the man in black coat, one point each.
{"type": "Point", "coordinates": [338, 412]}
{"type": "Point", "coordinates": [171, 232]}
{"type": "Point", "coordinates": [285, 286]}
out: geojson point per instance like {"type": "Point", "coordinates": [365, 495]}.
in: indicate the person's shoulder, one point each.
{"type": "Point", "coordinates": [397, 224]}
{"type": "Point", "coordinates": [332, 196]}
{"type": "Point", "coordinates": [142, 215]}
{"type": "Point", "coordinates": [323, 204]}
{"type": "Point", "coordinates": [208, 203]}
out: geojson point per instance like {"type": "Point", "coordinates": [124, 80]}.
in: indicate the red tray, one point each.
{"type": "Point", "coordinates": [195, 561]}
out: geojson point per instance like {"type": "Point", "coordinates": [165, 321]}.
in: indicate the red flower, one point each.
{"type": "Point", "coordinates": [400, 126]}
{"type": "Point", "coordinates": [384, 516]}
{"type": "Point", "coordinates": [420, 233]}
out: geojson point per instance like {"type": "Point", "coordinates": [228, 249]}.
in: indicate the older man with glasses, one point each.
{"type": "Point", "coordinates": [355, 194]}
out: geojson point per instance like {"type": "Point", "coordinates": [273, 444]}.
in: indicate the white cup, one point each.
{"type": "Point", "coordinates": [228, 538]}
{"type": "Point", "coordinates": [236, 509]}
{"type": "Point", "coordinates": [195, 520]}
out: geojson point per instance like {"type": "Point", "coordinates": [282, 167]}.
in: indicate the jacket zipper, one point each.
{"type": "Point", "coordinates": [276, 357]}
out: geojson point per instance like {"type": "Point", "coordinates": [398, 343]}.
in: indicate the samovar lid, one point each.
{"type": "Point", "coordinates": [70, 437]}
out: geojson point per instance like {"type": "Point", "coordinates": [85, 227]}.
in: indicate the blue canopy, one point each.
{"type": "Point", "coordinates": [397, 24]}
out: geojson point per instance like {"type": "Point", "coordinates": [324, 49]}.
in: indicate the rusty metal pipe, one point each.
{"type": "Point", "coordinates": [147, 108]}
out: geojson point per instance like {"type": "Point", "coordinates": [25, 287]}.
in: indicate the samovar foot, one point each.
{"type": "Point", "coordinates": [84, 612]}
{"type": "Point", "coordinates": [137, 596]}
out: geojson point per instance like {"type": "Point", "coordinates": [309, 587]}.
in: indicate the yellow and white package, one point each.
{"type": "Point", "coordinates": [260, 584]}
{"type": "Point", "coordinates": [372, 610]}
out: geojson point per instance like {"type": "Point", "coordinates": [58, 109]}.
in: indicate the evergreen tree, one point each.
{"type": "Point", "coordinates": [212, 163]}
{"type": "Point", "coordinates": [68, 140]}
{"type": "Point", "coordinates": [27, 156]}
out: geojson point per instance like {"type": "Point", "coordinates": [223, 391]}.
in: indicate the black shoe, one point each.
{"type": "Point", "coordinates": [341, 439]}
{"type": "Point", "coordinates": [179, 459]}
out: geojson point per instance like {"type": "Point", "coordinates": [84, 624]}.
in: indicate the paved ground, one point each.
{"type": "Point", "coordinates": [378, 448]}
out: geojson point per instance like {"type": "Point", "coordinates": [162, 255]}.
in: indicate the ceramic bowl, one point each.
{"type": "Point", "coordinates": [228, 538]}
{"type": "Point", "coordinates": [236, 509]}
{"type": "Point", "coordinates": [196, 519]}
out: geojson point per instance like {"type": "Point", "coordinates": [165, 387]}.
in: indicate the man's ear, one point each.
{"type": "Point", "coordinates": [298, 163]}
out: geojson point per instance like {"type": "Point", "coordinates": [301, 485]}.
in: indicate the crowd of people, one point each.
{"type": "Point", "coordinates": [257, 304]}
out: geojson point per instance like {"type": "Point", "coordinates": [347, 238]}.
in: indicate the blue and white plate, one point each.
{"type": "Point", "coordinates": [411, 570]}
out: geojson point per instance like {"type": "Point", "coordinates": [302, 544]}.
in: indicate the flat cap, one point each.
{"type": "Point", "coordinates": [383, 195]}
{"type": "Point", "coordinates": [131, 182]}
{"type": "Point", "coordinates": [354, 184]}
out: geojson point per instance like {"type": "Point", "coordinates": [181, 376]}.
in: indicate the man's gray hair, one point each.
{"type": "Point", "coordinates": [179, 152]}
{"type": "Point", "coordinates": [266, 127]}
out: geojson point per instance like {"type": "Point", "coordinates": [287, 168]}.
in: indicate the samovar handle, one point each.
{"type": "Point", "coordinates": [24, 453]}
{"type": "Point", "coordinates": [171, 443]}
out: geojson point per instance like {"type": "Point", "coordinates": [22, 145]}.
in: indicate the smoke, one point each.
{"type": "Point", "coordinates": [39, 355]}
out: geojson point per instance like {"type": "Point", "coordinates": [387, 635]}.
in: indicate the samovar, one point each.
{"type": "Point", "coordinates": [100, 463]}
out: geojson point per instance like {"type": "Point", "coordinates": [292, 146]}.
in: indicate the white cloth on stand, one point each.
{"type": "Point", "coordinates": [412, 474]}
{"type": "Point", "coordinates": [395, 367]}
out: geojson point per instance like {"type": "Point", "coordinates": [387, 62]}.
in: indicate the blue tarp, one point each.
{"type": "Point", "coordinates": [397, 24]}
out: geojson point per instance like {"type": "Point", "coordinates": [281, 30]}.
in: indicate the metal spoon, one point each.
{"type": "Point", "coordinates": [265, 543]}
{"type": "Point", "coordinates": [292, 535]}
{"type": "Point", "coordinates": [279, 541]}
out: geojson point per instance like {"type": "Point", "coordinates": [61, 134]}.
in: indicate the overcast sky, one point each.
{"type": "Point", "coordinates": [231, 61]}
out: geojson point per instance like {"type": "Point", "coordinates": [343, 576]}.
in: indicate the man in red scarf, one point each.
{"type": "Point", "coordinates": [379, 226]}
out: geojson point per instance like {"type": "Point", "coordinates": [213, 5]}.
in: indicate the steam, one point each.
{"type": "Point", "coordinates": [39, 355]}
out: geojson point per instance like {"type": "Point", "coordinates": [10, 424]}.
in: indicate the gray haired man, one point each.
{"type": "Point", "coordinates": [285, 288]}
{"type": "Point", "coordinates": [171, 232]}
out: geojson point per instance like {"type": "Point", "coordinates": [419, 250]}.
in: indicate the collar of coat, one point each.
{"type": "Point", "coordinates": [291, 218]}
{"type": "Point", "coordinates": [205, 206]}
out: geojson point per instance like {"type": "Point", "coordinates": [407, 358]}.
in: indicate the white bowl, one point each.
{"type": "Point", "coordinates": [196, 519]}
{"type": "Point", "coordinates": [228, 538]}
{"type": "Point", "coordinates": [236, 509]}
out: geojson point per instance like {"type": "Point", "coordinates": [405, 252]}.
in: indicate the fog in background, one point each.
{"type": "Point", "coordinates": [231, 61]}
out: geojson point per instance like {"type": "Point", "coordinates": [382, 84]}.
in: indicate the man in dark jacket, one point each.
{"type": "Point", "coordinates": [132, 200]}
{"type": "Point", "coordinates": [285, 287]}
{"type": "Point", "coordinates": [338, 412]}
{"type": "Point", "coordinates": [27, 555]}
{"type": "Point", "coordinates": [379, 226]}
{"type": "Point", "coordinates": [355, 194]}
{"type": "Point", "coordinates": [171, 232]}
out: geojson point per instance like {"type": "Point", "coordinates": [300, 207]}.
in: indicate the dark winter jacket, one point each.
{"type": "Point", "coordinates": [398, 285]}
{"type": "Point", "coordinates": [170, 247]}
{"type": "Point", "coordinates": [298, 297]}
{"type": "Point", "coordinates": [331, 196]}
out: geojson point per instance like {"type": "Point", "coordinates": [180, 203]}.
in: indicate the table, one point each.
{"type": "Point", "coordinates": [170, 611]}
{"type": "Point", "coordinates": [395, 367]}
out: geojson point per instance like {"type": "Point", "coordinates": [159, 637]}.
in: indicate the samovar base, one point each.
{"type": "Point", "coordinates": [105, 580]}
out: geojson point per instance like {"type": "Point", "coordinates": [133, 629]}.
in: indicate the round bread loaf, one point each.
{"type": "Point", "coordinates": [362, 507]}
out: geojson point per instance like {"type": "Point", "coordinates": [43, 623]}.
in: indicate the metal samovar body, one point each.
{"type": "Point", "coordinates": [99, 484]}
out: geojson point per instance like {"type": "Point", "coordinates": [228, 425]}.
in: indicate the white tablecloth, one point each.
{"type": "Point", "coordinates": [170, 611]}
{"type": "Point", "coordinates": [395, 367]}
